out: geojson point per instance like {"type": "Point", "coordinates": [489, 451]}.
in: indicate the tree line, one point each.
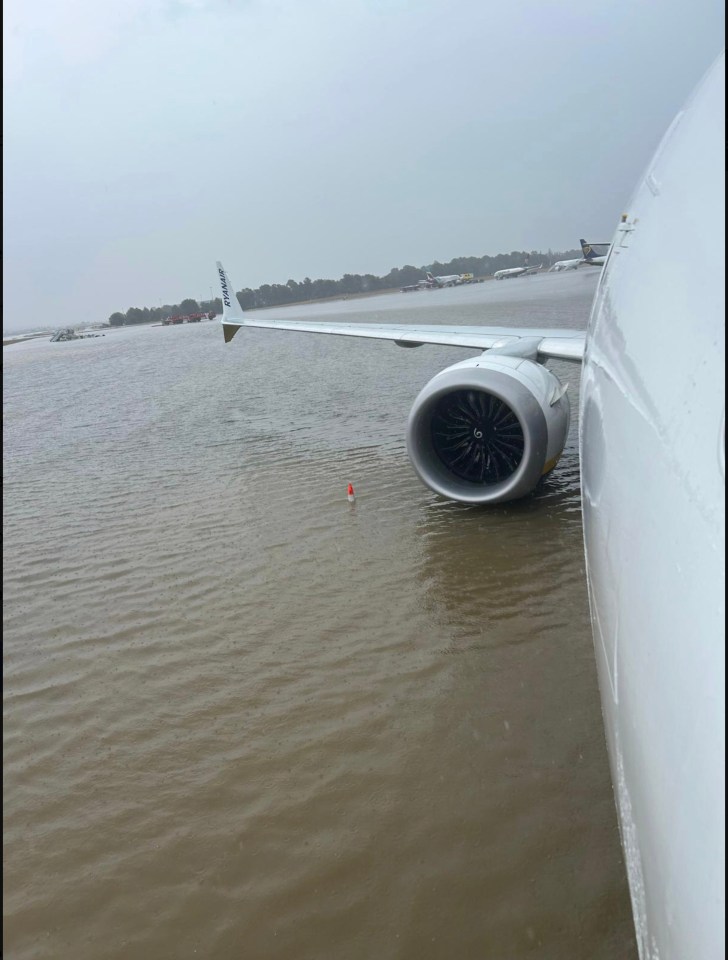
{"type": "Point", "coordinates": [276, 294]}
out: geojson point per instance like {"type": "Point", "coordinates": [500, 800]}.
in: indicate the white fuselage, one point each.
{"type": "Point", "coordinates": [565, 265]}
{"type": "Point", "coordinates": [653, 487]}
{"type": "Point", "coordinates": [510, 273]}
{"type": "Point", "coordinates": [448, 281]}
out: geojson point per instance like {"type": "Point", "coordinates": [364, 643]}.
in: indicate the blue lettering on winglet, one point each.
{"type": "Point", "coordinates": [225, 291]}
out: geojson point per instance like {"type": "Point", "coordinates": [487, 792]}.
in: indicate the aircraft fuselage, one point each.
{"type": "Point", "coordinates": [653, 486]}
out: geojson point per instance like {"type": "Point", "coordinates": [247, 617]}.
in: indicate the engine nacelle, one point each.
{"type": "Point", "coordinates": [487, 429]}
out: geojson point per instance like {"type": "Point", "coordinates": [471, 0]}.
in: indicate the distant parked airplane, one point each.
{"type": "Point", "coordinates": [449, 281]}
{"type": "Point", "coordinates": [565, 265]}
{"type": "Point", "coordinates": [512, 272]}
{"type": "Point", "coordinates": [590, 257]}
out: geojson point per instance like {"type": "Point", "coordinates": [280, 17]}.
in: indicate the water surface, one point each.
{"type": "Point", "coordinates": [246, 719]}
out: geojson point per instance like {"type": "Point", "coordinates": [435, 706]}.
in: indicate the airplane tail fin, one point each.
{"type": "Point", "coordinates": [587, 250]}
{"type": "Point", "coordinates": [232, 314]}
{"type": "Point", "coordinates": [430, 277]}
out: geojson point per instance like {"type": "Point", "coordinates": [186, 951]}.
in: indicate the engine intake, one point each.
{"type": "Point", "coordinates": [487, 429]}
{"type": "Point", "coordinates": [476, 436]}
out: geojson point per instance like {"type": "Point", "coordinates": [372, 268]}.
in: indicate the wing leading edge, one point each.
{"type": "Point", "coordinates": [547, 343]}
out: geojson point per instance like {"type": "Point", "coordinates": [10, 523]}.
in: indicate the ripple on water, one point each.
{"type": "Point", "coordinates": [246, 718]}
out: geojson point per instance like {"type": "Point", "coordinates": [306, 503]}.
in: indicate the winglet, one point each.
{"type": "Point", "coordinates": [232, 314]}
{"type": "Point", "coordinates": [229, 330]}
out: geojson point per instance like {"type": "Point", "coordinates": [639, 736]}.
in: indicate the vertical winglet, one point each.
{"type": "Point", "coordinates": [232, 314]}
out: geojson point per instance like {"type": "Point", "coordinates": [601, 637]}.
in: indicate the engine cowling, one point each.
{"type": "Point", "coordinates": [486, 430]}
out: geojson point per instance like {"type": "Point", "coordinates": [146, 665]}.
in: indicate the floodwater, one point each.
{"type": "Point", "coordinates": [245, 718]}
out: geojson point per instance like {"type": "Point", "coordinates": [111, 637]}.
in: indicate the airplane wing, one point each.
{"type": "Point", "coordinates": [557, 343]}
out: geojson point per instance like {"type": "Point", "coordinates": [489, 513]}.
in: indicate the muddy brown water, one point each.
{"type": "Point", "coordinates": [247, 719]}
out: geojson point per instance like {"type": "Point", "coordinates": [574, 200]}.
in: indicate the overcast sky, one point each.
{"type": "Point", "coordinates": [144, 139]}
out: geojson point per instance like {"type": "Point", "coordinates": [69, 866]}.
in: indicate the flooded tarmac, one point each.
{"type": "Point", "coordinates": [245, 718]}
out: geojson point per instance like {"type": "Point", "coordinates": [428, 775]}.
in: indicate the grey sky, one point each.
{"type": "Point", "coordinates": [145, 139]}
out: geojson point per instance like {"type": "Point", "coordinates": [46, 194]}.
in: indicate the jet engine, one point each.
{"type": "Point", "coordinates": [487, 429]}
